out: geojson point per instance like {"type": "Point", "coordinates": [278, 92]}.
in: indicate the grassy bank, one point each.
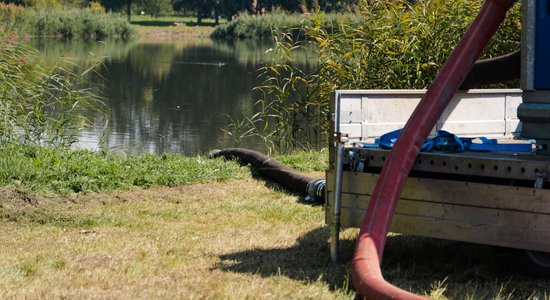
{"type": "Point", "coordinates": [64, 171]}
{"type": "Point", "coordinates": [60, 171]}
{"type": "Point", "coordinates": [202, 229]}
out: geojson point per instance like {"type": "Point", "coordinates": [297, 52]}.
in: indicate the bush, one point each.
{"type": "Point", "coordinates": [262, 27]}
{"type": "Point", "coordinates": [68, 23]}
{"type": "Point", "coordinates": [11, 14]}
{"type": "Point", "coordinates": [402, 45]}
{"type": "Point", "coordinates": [78, 23]}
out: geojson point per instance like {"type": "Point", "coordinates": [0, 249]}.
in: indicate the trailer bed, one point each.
{"type": "Point", "coordinates": [492, 198]}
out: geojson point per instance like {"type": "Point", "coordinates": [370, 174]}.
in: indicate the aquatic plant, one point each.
{"type": "Point", "coordinates": [40, 105]}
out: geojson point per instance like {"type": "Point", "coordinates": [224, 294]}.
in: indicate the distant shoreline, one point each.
{"type": "Point", "coordinates": [173, 33]}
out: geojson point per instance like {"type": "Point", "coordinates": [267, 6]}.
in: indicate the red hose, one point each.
{"type": "Point", "coordinates": [365, 269]}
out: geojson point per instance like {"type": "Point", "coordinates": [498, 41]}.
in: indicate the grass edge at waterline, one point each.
{"type": "Point", "coordinates": [64, 171]}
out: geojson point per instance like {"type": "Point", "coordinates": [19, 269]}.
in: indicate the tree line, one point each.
{"type": "Point", "coordinates": [200, 8]}
{"type": "Point", "coordinates": [231, 8]}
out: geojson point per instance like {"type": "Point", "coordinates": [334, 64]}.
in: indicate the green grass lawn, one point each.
{"type": "Point", "coordinates": [79, 224]}
{"type": "Point", "coordinates": [172, 27]}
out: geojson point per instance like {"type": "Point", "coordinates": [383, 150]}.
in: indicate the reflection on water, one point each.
{"type": "Point", "coordinates": [167, 97]}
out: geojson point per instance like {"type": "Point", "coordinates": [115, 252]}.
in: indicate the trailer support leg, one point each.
{"type": "Point", "coordinates": [340, 140]}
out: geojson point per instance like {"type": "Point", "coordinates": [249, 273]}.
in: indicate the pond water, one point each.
{"type": "Point", "coordinates": [167, 96]}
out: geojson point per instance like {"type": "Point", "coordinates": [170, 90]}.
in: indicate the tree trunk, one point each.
{"type": "Point", "coordinates": [254, 7]}
{"type": "Point", "coordinates": [199, 16]}
{"type": "Point", "coordinates": [129, 9]}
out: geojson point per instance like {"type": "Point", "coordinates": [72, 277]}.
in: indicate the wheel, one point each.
{"type": "Point", "coordinates": [536, 263]}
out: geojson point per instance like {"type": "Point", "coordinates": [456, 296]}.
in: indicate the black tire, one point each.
{"type": "Point", "coordinates": [536, 263]}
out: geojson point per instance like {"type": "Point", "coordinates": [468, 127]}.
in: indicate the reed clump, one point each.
{"type": "Point", "coordinates": [91, 24]}
{"type": "Point", "coordinates": [262, 26]}
{"type": "Point", "coordinates": [40, 105]}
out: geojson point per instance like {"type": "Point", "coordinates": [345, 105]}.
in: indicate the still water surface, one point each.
{"type": "Point", "coordinates": [168, 96]}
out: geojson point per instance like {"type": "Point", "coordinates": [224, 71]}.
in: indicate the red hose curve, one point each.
{"type": "Point", "coordinates": [365, 268]}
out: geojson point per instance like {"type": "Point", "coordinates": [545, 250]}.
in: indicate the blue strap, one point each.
{"type": "Point", "coordinates": [502, 147]}
{"type": "Point", "coordinates": [446, 141]}
{"type": "Point", "coordinates": [387, 140]}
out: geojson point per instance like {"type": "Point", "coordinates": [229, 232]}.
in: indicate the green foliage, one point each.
{"type": "Point", "coordinates": [257, 27]}
{"type": "Point", "coordinates": [67, 23]}
{"type": "Point", "coordinates": [78, 3]}
{"type": "Point", "coordinates": [83, 23]}
{"type": "Point", "coordinates": [249, 26]}
{"type": "Point", "coordinates": [65, 171]}
{"type": "Point", "coordinates": [398, 45]}
{"type": "Point", "coordinates": [290, 116]}
{"type": "Point", "coordinates": [35, 3]}
{"type": "Point", "coordinates": [39, 105]}
{"type": "Point", "coordinates": [69, 171]}
{"type": "Point", "coordinates": [11, 14]}
{"type": "Point", "coordinates": [49, 4]}
{"type": "Point", "coordinates": [113, 5]}
{"type": "Point", "coordinates": [337, 5]}
{"type": "Point", "coordinates": [401, 45]}
{"type": "Point", "coordinates": [96, 8]}
{"type": "Point", "coordinates": [306, 161]}
{"type": "Point", "coordinates": [154, 7]}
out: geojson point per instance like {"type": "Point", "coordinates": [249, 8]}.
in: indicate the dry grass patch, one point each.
{"type": "Point", "coordinates": [173, 33]}
{"type": "Point", "coordinates": [187, 242]}
{"type": "Point", "coordinates": [233, 240]}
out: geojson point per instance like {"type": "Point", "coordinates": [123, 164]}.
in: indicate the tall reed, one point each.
{"type": "Point", "coordinates": [40, 105]}
{"type": "Point", "coordinates": [67, 23]}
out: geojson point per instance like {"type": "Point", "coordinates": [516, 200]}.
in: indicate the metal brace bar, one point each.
{"type": "Point", "coordinates": [340, 140]}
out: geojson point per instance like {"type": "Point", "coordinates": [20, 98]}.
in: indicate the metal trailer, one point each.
{"type": "Point", "coordinates": [493, 198]}
{"type": "Point", "coordinates": [490, 198]}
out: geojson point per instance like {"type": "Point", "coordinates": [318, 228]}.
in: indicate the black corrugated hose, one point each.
{"type": "Point", "coordinates": [314, 189]}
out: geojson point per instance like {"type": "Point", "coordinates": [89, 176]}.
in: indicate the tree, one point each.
{"type": "Point", "coordinates": [113, 5]}
{"type": "Point", "coordinates": [203, 8]}
{"type": "Point", "coordinates": [230, 8]}
{"type": "Point", "coordinates": [337, 5]}
{"type": "Point", "coordinates": [118, 5]}
{"type": "Point", "coordinates": [129, 9]}
{"type": "Point", "coordinates": [75, 3]}
{"type": "Point", "coordinates": [154, 7]}
{"type": "Point", "coordinates": [35, 3]}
